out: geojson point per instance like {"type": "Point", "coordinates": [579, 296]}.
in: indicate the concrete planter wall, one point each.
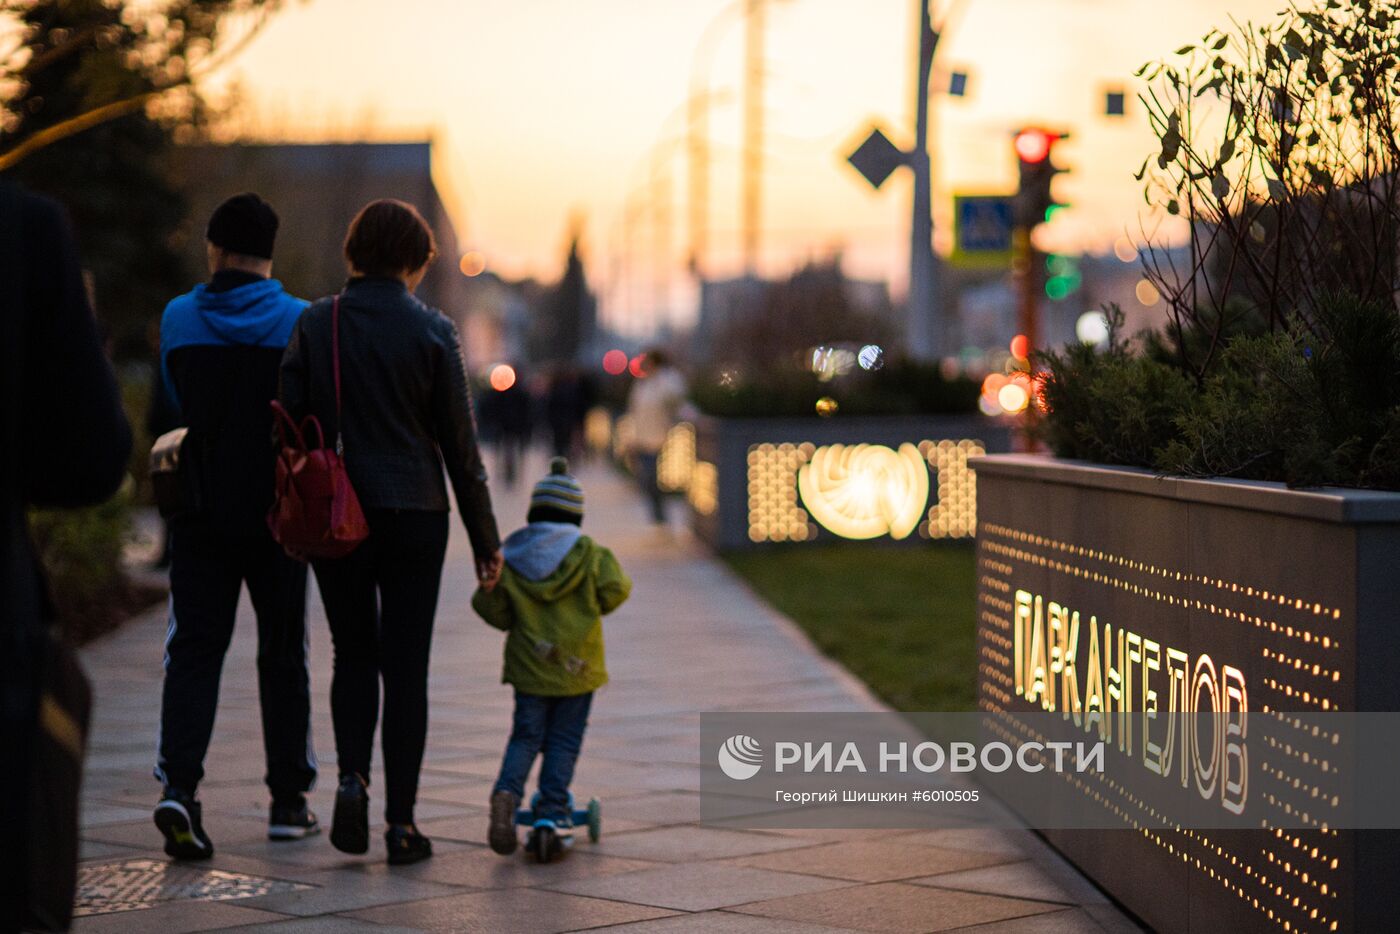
{"type": "Point", "coordinates": [1296, 590]}
{"type": "Point", "coordinates": [764, 481]}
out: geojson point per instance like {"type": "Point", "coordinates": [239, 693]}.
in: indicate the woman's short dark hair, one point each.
{"type": "Point", "coordinates": [389, 238]}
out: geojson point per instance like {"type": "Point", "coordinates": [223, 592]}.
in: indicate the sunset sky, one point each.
{"type": "Point", "coordinates": [546, 109]}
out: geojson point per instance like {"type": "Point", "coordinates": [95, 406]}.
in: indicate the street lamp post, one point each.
{"type": "Point", "coordinates": [925, 324]}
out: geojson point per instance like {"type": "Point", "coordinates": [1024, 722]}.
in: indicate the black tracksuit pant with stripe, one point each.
{"type": "Point", "coordinates": [209, 567]}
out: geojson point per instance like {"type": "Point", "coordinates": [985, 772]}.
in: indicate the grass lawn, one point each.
{"type": "Point", "coordinates": [900, 619]}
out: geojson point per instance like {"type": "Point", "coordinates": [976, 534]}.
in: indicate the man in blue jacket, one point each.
{"type": "Point", "coordinates": [220, 349]}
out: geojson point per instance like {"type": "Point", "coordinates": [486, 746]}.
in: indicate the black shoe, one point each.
{"type": "Point", "coordinates": [350, 823]}
{"type": "Point", "coordinates": [291, 821]}
{"type": "Point", "coordinates": [406, 845]}
{"type": "Point", "coordinates": [178, 818]}
{"type": "Point", "coordinates": [501, 834]}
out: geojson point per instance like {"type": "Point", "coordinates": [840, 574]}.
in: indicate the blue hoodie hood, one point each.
{"type": "Point", "coordinates": [259, 314]}
{"type": "Point", "coordinates": [535, 551]}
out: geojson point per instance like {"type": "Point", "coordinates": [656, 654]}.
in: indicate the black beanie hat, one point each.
{"type": "Point", "coordinates": [244, 224]}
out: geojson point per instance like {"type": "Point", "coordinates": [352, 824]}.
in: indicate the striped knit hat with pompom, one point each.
{"type": "Point", "coordinates": [558, 497]}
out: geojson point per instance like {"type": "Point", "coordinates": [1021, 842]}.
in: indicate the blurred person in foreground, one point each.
{"type": "Point", "coordinates": [653, 404]}
{"type": "Point", "coordinates": [64, 442]}
{"type": "Point", "coordinates": [221, 348]}
{"type": "Point", "coordinates": [407, 414]}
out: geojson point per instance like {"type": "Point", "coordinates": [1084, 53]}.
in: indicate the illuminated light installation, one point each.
{"type": "Point", "coordinates": [954, 515]}
{"type": "Point", "coordinates": [774, 512]}
{"type": "Point", "coordinates": [676, 461]}
{"type": "Point", "coordinates": [777, 514]}
{"type": "Point", "coordinates": [703, 493]}
{"type": "Point", "coordinates": [598, 429]}
{"type": "Point", "coordinates": [862, 491]}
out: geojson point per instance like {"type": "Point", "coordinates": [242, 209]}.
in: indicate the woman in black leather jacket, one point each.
{"type": "Point", "coordinates": [406, 415]}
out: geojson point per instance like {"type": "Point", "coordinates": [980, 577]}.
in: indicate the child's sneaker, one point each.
{"type": "Point", "coordinates": [502, 835]}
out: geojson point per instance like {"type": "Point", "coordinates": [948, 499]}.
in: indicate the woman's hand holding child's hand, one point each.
{"type": "Point", "coordinates": [488, 570]}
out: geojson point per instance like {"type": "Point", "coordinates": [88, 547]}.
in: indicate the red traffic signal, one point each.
{"type": "Point", "coordinates": [1034, 145]}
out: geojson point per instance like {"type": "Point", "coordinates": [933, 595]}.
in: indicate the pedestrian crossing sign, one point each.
{"type": "Point", "coordinates": [982, 226]}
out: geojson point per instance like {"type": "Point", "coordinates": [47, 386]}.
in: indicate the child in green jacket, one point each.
{"type": "Point", "coordinates": [555, 588]}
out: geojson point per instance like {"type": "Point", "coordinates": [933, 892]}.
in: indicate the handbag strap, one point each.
{"type": "Point", "coordinates": [335, 366]}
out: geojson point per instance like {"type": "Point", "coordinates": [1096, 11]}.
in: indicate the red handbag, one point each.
{"type": "Point", "coordinates": [316, 513]}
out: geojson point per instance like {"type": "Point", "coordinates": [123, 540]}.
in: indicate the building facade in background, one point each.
{"type": "Point", "coordinates": [317, 189]}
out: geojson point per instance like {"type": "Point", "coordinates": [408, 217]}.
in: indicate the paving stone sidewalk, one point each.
{"type": "Point", "coordinates": [691, 639]}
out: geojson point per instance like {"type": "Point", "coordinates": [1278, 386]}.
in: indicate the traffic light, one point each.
{"type": "Point", "coordinates": [1035, 204]}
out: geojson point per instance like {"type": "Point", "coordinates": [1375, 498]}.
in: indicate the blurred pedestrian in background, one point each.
{"type": "Point", "coordinates": [406, 413]}
{"type": "Point", "coordinates": [221, 351]}
{"type": "Point", "coordinates": [507, 417]}
{"type": "Point", "coordinates": [566, 408]}
{"type": "Point", "coordinates": [653, 404]}
{"type": "Point", "coordinates": [64, 442]}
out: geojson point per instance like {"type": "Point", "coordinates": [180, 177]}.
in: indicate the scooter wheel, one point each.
{"type": "Point", "coordinates": [545, 844]}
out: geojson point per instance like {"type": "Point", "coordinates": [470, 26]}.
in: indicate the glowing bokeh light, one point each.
{"type": "Point", "coordinates": [615, 362]}
{"type": "Point", "coordinates": [1125, 251]}
{"type": "Point", "coordinates": [1147, 293]}
{"type": "Point", "coordinates": [1013, 397]}
{"type": "Point", "coordinates": [831, 362]}
{"type": "Point", "coordinates": [473, 263]}
{"type": "Point", "coordinates": [1092, 328]}
{"type": "Point", "coordinates": [827, 406]}
{"type": "Point", "coordinates": [1020, 347]}
{"type": "Point", "coordinates": [502, 377]}
{"type": "Point", "coordinates": [992, 385]}
{"type": "Point", "coordinates": [871, 357]}
{"type": "Point", "coordinates": [638, 366]}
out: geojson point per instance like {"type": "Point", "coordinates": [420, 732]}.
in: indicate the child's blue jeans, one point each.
{"type": "Point", "coordinates": [554, 726]}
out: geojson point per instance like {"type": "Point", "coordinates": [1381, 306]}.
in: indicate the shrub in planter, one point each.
{"type": "Point", "coordinates": [81, 551]}
{"type": "Point", "coordinates": [1306, 405]}
{"type": "Point", "coordinates": [1280, 355]}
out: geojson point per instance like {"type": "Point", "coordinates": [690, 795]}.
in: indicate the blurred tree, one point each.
{"type": "Point", "coordinates": [815, 306]}
{"type": "Point", "coordinates": [564, 323]}
{"type": "Point", "coordinates": [92, 95]}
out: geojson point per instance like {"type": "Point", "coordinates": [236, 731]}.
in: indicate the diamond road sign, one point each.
{"type": "Point", "coordinates": [877, 157]}
{"type": "Point", "coordinates": [982, 226]}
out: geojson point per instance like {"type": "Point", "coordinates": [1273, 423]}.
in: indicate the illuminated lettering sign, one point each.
{"type": "Point", "coordinates": [1128, 673]}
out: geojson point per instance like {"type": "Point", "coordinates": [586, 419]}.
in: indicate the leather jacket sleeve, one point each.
{"type": "Point", "coordinates": [455, 427]}
{"type": "Point", "coordinates": [291, 385]}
